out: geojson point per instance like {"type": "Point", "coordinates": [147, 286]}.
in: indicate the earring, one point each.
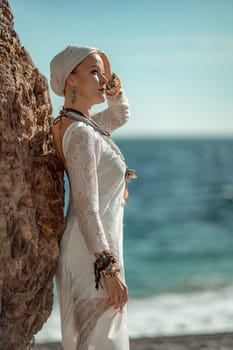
{"type": "Point", "coordinates": [73, 95]}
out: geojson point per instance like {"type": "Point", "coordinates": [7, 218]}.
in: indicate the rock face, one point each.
{"type": "Point", "coordinates": [31, 193]}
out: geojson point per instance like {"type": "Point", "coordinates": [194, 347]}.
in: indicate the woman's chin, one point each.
{"type": "Point", "coordinates": [101, 99]}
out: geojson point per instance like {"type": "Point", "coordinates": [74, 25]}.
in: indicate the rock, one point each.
{"type": "Point", "coordinates": [31, 193]}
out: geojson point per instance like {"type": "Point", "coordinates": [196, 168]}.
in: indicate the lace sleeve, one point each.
{"type": "Point", "coordinates": [115, 115]}
{"type": "Point", "coordinates": [81, 150]}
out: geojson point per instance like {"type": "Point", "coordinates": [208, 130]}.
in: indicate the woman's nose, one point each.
{"type": "Point", "coordinates": [103, 79]}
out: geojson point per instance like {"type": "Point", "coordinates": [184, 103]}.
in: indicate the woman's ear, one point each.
{"type": "Point", "coordinates": [70, 80]}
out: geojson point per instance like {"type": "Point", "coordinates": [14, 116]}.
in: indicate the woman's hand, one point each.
{"type": "Point", "coordinates": [117, 291]}
{"type": "Point", "coordinates": [107, 67]}
{"type": "Point", "coordinates": [113, 87]}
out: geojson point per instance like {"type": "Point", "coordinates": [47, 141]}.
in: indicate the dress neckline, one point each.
{"type": "Point", "coordinates": [79, 116]}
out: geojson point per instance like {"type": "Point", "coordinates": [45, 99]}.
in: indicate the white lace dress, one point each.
{"type": "Point", "coordinates": [96, 170]}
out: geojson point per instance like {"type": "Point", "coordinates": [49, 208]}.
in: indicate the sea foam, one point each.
{"type": "Point", "coordinates": [167, 314]}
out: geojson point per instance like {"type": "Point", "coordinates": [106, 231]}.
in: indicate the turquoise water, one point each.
{"type": "Point", "coordinates": [178, 220]}
{"type": "Point", "coordinates": [178, 238]}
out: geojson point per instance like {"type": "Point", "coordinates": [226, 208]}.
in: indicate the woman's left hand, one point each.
{"type": "Point", "coordinates": [107, 67]}
{"type": "Point", "coordinates": [117, 291]}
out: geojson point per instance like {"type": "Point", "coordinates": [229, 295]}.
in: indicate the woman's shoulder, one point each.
{"type": "Point", "coordinates": [60, 124]}
{"type": "Point", "coordinates": [80, 133]}
{"type": "Point", "coordinates": [66, 126]}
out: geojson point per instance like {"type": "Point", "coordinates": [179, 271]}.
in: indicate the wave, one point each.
{"type": "Point", "coordinates": [180, 314]}
{"type": "Point", "coordinates": [167, 314]}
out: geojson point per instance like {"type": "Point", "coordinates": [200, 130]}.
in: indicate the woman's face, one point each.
{"type": "Point", "coordinates": [89, 80]}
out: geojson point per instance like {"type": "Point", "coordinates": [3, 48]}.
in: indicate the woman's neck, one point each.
{"type": "Point", "coordinates": [85, 110]}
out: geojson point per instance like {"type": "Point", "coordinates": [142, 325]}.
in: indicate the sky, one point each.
{"type": "Point", "coordinates": [174, 57]}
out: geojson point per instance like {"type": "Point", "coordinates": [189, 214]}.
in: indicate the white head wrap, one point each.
{"type": "Point", "coordinates": [63, 64]}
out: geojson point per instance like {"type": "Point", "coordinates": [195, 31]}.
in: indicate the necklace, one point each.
{"type": "Point", "coordinates": [79, 116]}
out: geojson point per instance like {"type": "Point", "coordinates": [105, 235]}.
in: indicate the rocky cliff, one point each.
{"type": "Point", "coordinates": [31, 193]}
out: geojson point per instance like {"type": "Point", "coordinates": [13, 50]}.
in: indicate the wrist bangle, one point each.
{"type": "Point", "coordinates": [105, 261]}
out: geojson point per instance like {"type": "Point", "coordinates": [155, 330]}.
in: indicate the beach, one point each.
{"type": "Point", "coordinates": [216, 341]}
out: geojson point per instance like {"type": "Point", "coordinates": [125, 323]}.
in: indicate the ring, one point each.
{"type": "Point", "coordinates": [122, 299]}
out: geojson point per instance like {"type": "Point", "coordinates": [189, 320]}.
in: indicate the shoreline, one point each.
{"type": "Point", "coordinates": [213, 341]}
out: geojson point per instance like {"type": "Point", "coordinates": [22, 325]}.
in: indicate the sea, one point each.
{"type": "Point", "coordinates": [178, 238]}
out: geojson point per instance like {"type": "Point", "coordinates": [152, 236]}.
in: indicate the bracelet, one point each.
{"type": "Point", "coordinates": [113, 87]}
{"type": "Point", "coordinates": [105, 262]}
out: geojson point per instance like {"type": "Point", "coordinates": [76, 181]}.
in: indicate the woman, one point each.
{"type": "Point", "coordinates": [90, 275]}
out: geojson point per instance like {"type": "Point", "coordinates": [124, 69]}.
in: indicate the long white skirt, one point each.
{"type": "Point", "coordinates": [88, 321]}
